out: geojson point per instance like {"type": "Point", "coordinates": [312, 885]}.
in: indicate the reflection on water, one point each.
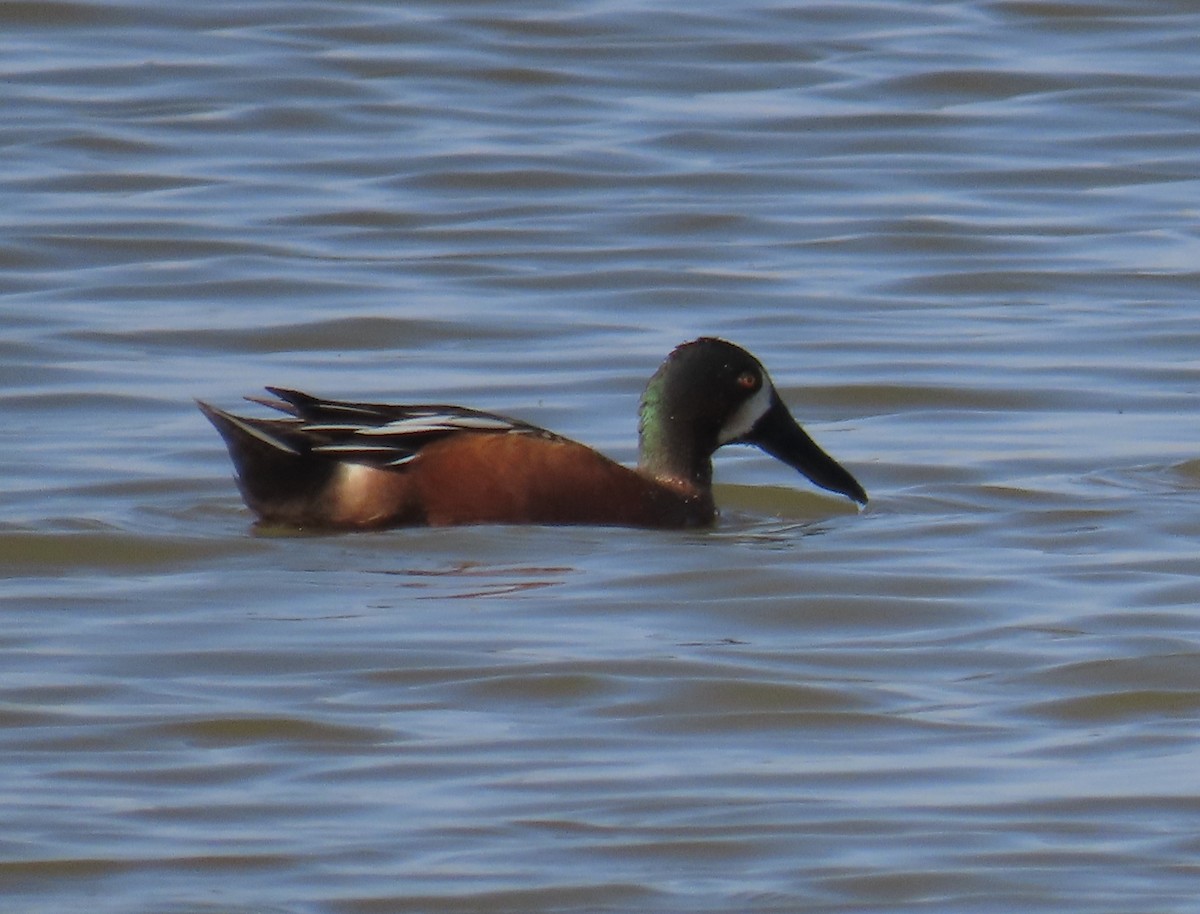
{"type": "Point", "coordinates": [959, 236]}
{"type": "Point", "coordinates": [474, 579]}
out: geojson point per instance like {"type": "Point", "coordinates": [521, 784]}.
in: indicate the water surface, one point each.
{"type": "Point", "coordinates": [962, 237]}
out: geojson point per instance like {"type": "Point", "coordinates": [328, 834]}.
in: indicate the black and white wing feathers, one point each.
{"type": "Point", "coordinates": [381, 434]}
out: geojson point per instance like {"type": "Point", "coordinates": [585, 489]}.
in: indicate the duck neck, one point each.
{"type": "Point", "coordinates": [669, 448]}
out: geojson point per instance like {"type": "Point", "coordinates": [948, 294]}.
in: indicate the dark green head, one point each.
{"type": "Point", "coordinates": [709, 393]}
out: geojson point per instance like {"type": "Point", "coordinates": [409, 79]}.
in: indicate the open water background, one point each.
{"type": "Point", "coordinates": [962, 236]}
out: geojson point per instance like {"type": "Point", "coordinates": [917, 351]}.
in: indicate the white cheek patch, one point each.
{"type": "Point", "coordinates": [746, 416]}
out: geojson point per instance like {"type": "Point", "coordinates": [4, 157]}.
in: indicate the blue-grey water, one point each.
{"type": "Point", "coordinates": [964, 239]}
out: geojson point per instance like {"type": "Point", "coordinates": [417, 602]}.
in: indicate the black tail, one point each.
{"type": "Point", "coordinates": [279, 477]}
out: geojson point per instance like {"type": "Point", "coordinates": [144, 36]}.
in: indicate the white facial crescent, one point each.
{"type": "Point", "coordinates": [746, 416]}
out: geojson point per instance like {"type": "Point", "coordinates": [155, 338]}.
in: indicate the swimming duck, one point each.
{"type": "Point", "coordinates": [336, 464]}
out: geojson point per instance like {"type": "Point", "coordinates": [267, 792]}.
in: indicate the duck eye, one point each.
{"type": "Point", "coordinates": [747, 380]}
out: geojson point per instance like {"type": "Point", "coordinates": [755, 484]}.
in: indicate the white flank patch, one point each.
{"type": "Point", "coordinates": [746, 416]}
{"type": "Point", "coordinates": [352, 477]}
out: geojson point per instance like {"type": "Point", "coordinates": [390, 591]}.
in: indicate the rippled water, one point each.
{"type": "Point", "coordinates": [962, 237]}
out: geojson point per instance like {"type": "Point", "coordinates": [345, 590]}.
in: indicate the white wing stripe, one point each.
{"type": "Point", "coordinates": [261, 435]}
{"type": "Point", "coordinates": [426, 425]}
{"type": "Point", "coordinates": [481, 423]}
{"type": "Point", "coordinates": [364, 449]}
{"type": "Point", "coordinates": [332, 427]}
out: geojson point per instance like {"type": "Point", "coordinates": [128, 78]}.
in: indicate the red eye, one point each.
{"type": "Point", "coordinates": [747, 380]}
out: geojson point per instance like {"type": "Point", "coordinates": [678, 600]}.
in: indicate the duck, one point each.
{"type": "Point", "coordinates": [348, 465]}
